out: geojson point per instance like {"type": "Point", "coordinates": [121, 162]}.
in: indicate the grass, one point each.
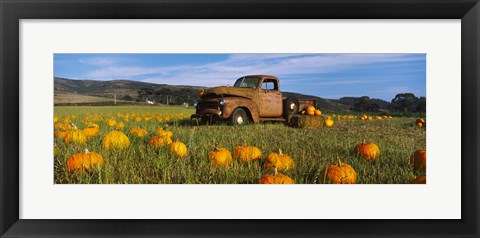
{"type": "Point", "coordinates": [312, 149]}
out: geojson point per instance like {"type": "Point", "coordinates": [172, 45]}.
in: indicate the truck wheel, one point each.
{"type": "Point", "coordinates": [205, 120]}
{"type": "Point", "coordinates": [290, 107]}
{"type": "Point", "coordinates": [239, 117]}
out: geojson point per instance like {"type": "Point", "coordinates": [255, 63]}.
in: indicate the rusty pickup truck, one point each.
{"type": "Point", "coordinates": [252, 98]}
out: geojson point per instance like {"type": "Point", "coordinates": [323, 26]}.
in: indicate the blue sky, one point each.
{"type": "Point", "coordinates": [324, 75]}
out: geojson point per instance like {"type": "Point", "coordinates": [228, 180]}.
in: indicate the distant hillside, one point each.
{"type": "Point", "coordinates": [124, 90]}
{"type": "Point", "coordinates": [107, 88]}
{"type": "Point", "coordinates": [324, 104]}
{"type": "Point", "coordinates": [350, 101]}
{"type": "Point", "coordinates": [93, 92]}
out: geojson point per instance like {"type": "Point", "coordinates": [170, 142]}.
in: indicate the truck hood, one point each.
{"type": "Point", "coordinates": [232, 91]}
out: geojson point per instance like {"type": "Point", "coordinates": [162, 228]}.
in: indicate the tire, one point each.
{"type": "Point", "coordinates": [204, 120]}
{"type": "Point", "coordinates": [239, 117]}
{"type": "Point", "coordinates": [290, 107]}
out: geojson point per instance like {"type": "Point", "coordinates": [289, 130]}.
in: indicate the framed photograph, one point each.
{"type": "Point", "coordinates": [238, 118]}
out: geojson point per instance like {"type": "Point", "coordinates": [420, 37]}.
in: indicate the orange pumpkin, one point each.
{"type": "Point", "coordinates": [368, 151]}
{"type": "Point", "coordinates": [310, 110]}
{"type": "Point", "coordinates": [421, 122]}
{"type": "Point", "coordinates": [120, 125]}
{"type": "Point", "coordinates": [329, 122]}
{"type": "Point", "coordinates": [62, 126]}
{"type": "Point", "coordinates": [276, 179]}
{"type": "Point", "coordinates": [157, 141]}
{"type": "Point", "coordinates": [85, 161]}
{"type": "Point", "coordinates": [178, 149]}
{"type": "Point", "coordinates": [111, 122]}
{"type": "Point", "coordinates": [419, 180]}
{"type": "Point", "coordinates": [75, 136]}
{"type": "Point", "coordinates": [340, 173]}
{"type": "Point", "coordinates": [419, 159]}
{"type": "Point", "coordinates": [91, 130]}
{"type": "Point", "coordinates": [279, 161]}
{"type": "Point", "coordinates": [163, 132]}
{"type": "Point", "coordinates": [60, 134]}
{"type": "Point", "coordinates": [220, 157]}
{"type": "Point", "coordinates": [138, 132]}
{"type": "Point", "coordinates": [115, 140]}
{"type": "Point", "coordinates": [247, 153]}
{"type": "Point", "coordinates": [318, 112]}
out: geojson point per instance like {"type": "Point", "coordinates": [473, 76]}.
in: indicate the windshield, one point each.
{"type": "Point", "coordinates": [246, 82]}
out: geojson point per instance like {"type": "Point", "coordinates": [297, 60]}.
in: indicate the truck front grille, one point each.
{"type": "Point", "coordinates": [207, 105]}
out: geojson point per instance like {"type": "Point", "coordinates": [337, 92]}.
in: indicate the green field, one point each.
{"type": "Point", "coordinates": [311, 149]}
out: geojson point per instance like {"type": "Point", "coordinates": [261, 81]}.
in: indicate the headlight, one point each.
{"type": "Point", "coordinates": [222, 101]}
{"type": "Point", "coordinates": [195, 103]}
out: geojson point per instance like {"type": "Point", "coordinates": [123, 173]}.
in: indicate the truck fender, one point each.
{"type": "Point", "coordinates": [233, 103]}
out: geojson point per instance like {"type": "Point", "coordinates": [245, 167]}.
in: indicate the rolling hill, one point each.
{"type": "Point", "coordinates": [125, 91]}
{"type": "Point", "coordinates": [93, 92]}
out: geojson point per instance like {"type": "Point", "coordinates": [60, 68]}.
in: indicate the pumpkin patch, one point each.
{"type": "Point", "coordinates": [141, 151]}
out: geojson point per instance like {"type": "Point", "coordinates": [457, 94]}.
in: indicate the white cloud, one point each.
{"type": "Point", "coordinates": [349, 82]}
{"type": "Point", "coordinates": [236, 65]}
{"type": "Point", "coordinates": [397, 89]}
{"type": "Point", "coordinates": [249, 57]}
{"type": "Point", "coordinates": [101, 61]}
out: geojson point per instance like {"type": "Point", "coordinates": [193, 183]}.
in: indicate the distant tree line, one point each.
{"type": "Point", "coordinates": [175, 96]}
{"type": "Point", "coordinates": [365, 104]}
{"type": "Point", "coordinates": [403, 102]}
{"type": "Point", "coordinates": [407, 102]}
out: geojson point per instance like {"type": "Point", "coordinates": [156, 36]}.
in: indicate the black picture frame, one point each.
{"type": "Point", "coordinates": [12, 11]}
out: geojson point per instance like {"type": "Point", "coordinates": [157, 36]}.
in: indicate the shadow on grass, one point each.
{"type": "Point", "coordinates": [197, 122]}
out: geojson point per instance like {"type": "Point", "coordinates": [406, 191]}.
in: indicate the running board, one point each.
{"type": "Point", "coordinates": [273, 119]}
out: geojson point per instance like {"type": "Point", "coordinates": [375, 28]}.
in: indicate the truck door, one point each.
{"type": "Point", "coordinates": [270, 99]}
